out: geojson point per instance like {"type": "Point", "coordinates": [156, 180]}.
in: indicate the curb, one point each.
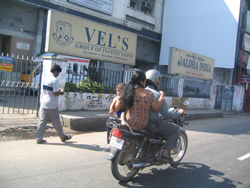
{"type": "Point", "coordinates": [99, 123]}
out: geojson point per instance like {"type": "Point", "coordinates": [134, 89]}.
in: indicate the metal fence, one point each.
{"type": "Point", "coordinates": [19, 87]}
{"type": "Point", "coordinates": [109, 77]}
{"type": "Point", "coordinates": [169, 85]}
{"type": "Point", "coordinates": [224, 97]}
{"type": "Point", "coordinates": [196, 88]}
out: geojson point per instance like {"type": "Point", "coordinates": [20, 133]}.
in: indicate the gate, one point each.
{"type": "Point", "coordinates": [247, 101]}
{"type": "Point", "coordinates": [19, 86]}
{"type": "Point", "coordinates": [224, 97]}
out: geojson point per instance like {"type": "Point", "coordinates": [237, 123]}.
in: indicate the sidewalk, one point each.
{"type": "Point", "coordinates": [89, 120]}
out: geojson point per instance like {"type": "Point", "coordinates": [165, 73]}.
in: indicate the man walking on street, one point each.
{"type": "Point", "coordinates": [49, 106]}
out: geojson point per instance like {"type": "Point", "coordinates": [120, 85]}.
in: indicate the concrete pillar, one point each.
{"type": "Point", "coordinates": [180, 87]}
{"type": "Point", "coordinates": [213, 94]}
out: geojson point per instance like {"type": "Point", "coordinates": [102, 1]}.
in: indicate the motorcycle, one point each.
{"type": "Point", "coordinates": [131, 151]}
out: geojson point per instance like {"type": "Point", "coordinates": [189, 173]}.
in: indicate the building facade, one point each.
{"type": "Point", "coordinates": [23, 24]}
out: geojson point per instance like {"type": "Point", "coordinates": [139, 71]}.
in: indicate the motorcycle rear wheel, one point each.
{"type": "Point", "coordinates": [178, 153]}
{"type": "Point", "coordinates": [122, 163]}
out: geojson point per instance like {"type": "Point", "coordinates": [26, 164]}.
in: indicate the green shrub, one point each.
{"type": "Point", "coordinates": [86, 85]}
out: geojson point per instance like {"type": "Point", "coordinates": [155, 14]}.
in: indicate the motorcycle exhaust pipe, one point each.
{"type": "Point", "coordinates": [140, 165]}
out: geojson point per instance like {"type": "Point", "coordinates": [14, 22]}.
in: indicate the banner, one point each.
{"type": "Point", "coordinates": [6, 64]}
{"type": "Point", "coordinates": [190, 64]}
{"type": "Point", "coordinates": [75, 36]}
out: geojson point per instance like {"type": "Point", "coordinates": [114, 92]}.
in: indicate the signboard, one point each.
{"type": "Point", "coordinates": [23, 45]}
{"type": "Point", "coordinates": [245, 78]}
{"type": "Point", "coordinates": [247, 42]}
{"type": "Point", "coordinates": [6, 64]}
{"type": "Point", "coordinates": [248, 66]}
{"type": "Point", "coordinates": [248, 21]}
{"type": "Point", "coordinates": [99, 5]}
{"type": "Point", "coordinates": [74, 36]}
{"type": "Point", "coordinates": [190, 64]}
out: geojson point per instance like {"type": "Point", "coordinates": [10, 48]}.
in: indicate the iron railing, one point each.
{"type": "Point", "coordinates": [169, 85]}
{"type": "Point", "coordinates": [109, 77]}
{"type": "Point", "coordinates": [196, 88]}
{"type": "Point", "coordinates": [19, 87]}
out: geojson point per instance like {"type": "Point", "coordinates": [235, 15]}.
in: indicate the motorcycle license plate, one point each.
{"type": "Point", "coordinates": [116, 142]}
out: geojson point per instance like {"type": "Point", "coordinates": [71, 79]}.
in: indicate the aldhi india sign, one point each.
{"type": "Point", "coordinates": [75, 36]}
{"type": "Point", "coordinates": [190, 64]}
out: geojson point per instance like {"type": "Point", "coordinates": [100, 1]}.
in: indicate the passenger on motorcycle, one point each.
{"type": "Point", "coordinates": [138, 101]}
{"type": "Point", "coordinates": [155, 124]}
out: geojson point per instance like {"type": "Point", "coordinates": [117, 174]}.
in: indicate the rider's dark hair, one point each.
{"type": "Point", "coordinates": [128, 92]}
{"type": "Point", "coordinates": [56, 67]}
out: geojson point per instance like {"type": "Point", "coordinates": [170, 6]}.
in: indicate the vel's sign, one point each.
{"type": "Point", "coordinates": [76, 36]}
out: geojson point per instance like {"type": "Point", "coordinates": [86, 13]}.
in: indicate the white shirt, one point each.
{"type": "Point", "coordinates": [49, 100]}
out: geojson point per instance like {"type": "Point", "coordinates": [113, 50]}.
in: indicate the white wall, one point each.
{"type": "Point", "coordinates": [205, 27]}
{"type": "Point", "coordinates": [121, 8]}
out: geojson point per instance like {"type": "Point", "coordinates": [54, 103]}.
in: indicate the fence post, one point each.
{"type": "Point", "coordinates": [39, 91]}
{"type": "Point", "coordinates": [180, 87]}
{"type": "Point", "coordinates": [213, 94]}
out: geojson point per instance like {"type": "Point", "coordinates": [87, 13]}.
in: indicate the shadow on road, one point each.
{"type": "Point", "coordinates": [73, 144]}
{"type": "Point", "coordinates": [187, 175]}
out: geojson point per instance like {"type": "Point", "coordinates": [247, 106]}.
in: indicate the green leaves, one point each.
{"type": "Point", "coordinates": [86, 85]}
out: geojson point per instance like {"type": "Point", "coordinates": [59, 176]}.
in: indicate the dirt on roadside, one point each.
{"type": "Point", "coordinates": [29, 132]}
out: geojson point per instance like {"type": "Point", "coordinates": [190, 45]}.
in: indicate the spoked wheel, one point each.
{"type": "Point", "coordinates": [178, 153]}
{"type": "Point", "coordinates": [121, 165]}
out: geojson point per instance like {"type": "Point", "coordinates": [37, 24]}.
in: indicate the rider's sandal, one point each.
{"type": "Point", "coordinates": [67, 137]}
{"type": "Point", "coordinates": [166, 159]}
{"type": "Point", "coordinates": [41, 141]}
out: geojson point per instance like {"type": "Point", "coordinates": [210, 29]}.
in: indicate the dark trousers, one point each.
{"type": "Point", "coordinates": [108, 133]}
{"type": "Point", "coordinates": [169, 129]}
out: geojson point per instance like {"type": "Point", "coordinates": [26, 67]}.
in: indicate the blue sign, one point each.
{"type": "Point", "coordinates": [245, 78]}
{"type": "Point", "coordinates": [6, 64]}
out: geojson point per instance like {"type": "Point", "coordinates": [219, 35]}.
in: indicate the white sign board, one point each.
{"type": "Point", "coordinates": [248, 21]}
{"type": "Point", "coordinates": [99, 5]}
{"type": "Point", "coordinates": [23, 45]}
{"type": "Point", "coordinates": [247, 42]}
{"type": "Point", "coordinates": [248, 66]}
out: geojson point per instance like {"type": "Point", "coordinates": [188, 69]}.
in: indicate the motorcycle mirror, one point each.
{"type": "Point", "coordinates": [186, 102]}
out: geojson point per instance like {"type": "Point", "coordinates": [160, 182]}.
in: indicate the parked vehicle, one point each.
{"type": "Point", "coordinates": [131, 150]}
{"type": "Point", "coordinates": [29, 78]}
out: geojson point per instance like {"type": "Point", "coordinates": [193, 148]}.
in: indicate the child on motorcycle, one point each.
{"type": "Point", "coordinates": [121, 112]}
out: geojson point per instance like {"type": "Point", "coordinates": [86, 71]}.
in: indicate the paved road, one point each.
{"type": "Point", "coordinates": [212, 160]}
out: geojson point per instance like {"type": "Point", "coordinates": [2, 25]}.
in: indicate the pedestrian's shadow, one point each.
{"type": "Point", "coordinates": [188, 175]}
{"type": "Point", "coordinates": [93, 147]}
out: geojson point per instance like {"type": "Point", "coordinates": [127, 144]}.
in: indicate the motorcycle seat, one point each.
{"type": "Point", "coordinates": [148, 133]}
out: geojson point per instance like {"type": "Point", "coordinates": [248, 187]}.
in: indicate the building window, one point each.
{"type": "Point", "coordinates": [142, 5]}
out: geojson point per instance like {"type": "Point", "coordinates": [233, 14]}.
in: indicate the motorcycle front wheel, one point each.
{"type": "Point", "coordinates": [181, 147]}
{"type": "Point", "coordinates": [121, 165]}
